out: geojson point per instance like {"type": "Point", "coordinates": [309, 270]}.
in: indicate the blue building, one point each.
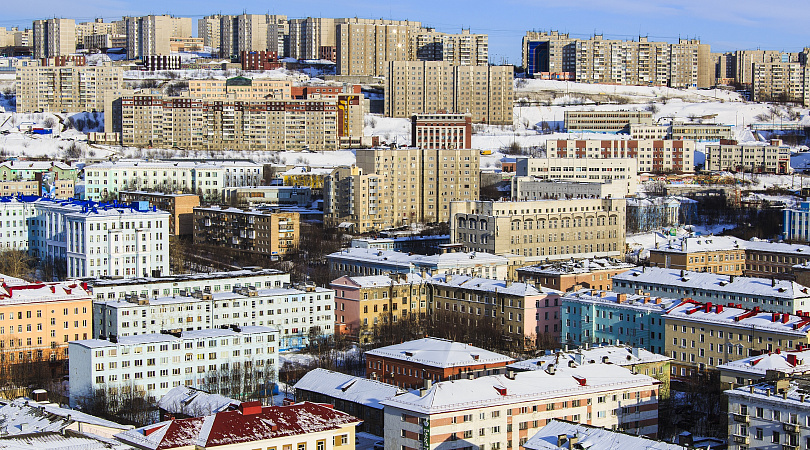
{"type": "Point", "coordinates": [604, 317]}
{"type": "Point", "coordinates": [796, 223]}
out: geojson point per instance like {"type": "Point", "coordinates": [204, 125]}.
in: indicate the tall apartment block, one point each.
{"type": "Point", "coordinates": [426, 87]}
{"type": "Point", "coordinates": [95, 28]}
{"type": "Point", "coordinates": [14, 37]}
{"type": "Point", "coordinates": [464, 49]}
{"type": "Point", "coordinates": [541, 229]}
{"type": "Point", "coordinates": [66, 88]}
{"type": "Point", "coordinates": [552, 55]}
{"type": "Point", "coordinates": [308, 38]}
{"type": "Point", "coordinates": [780, 81]}
{"type": "Point", "coordinates": [151, 35]}
{"type": "Point", "coordinates": [365, 46]}
{"type": "Point", "coordinates": [208, 28]}
{"type": "Point", "coordinates": [54, 37]}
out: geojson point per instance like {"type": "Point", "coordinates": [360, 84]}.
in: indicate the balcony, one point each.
{"type": "Point", "coordinates": [744, 418]}
{"type": "Point", "coordinates": [786, 446]}
{"type": "Point", "coordinates": [790, 427]}
{"type": "Point", "coordinates": [740, 439]}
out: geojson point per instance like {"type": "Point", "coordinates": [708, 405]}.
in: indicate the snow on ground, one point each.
{"type": "Point", "coordinates": [524, 86]}
{"type": "Point", "coordinates": [640, 244]}
{"type": "Point", "coordinates": [15, 141]}
{"type": "Point", "coordinates": [210, 73]}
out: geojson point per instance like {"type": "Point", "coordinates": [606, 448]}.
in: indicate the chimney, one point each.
{"type": "Point", "coordinates": [572, 442]}
{"type": "Point", "coordinates": [658, 300]}
{"type": "Point", "coordinates": [719, 309]}
{"type": "Point", "coordinates": [561, 439]}
{"type": "Point", "coordinates": [773, 282]}
{"type": "Point", "coordinates": [621, 298]}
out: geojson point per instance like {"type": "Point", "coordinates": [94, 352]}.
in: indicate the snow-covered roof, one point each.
{"type": "Point", "coordinates": [88, 208]}
{"type": "Point", "coordinates": [795, 396]}
{"type": "Point", "coordinates": [372, 281]}
{"type": "Point", "coordinates": [194, 403]}
{"type": "Point", "coordinates": [631, 301]}
{"type": "Point", "coordinates": [455, 259]}
{"type": "Point", "coordinates": [143, 164]}
{"type": "Point", "coordinates": [235, 427]}
{"type": "Point", "coordinates": [35, 165]}
{"type": "Point", "coordinates": [24, 416]}
{"type": "Point", "coordinates": [490, 285]}
{"type": "Point", "coordinates": [788, 362]}
{"type": "Point", "coordinates": [747, 286]}
{"type": "Point", "coordinates": [784, 323]}
{"type": "Point", "coordinates": [576, 267]}
{"type": "Point", "coordinates": [141, 281]}
{"type": "Point", "coordinates": [697, 244]}
{"type": "Point", "coordinates": [154, 338]}
{"type": "Point", "coordinates": [13, 292]}
{"type": "Point", "coordinates": [443, 353]}
{"type": "Point", "coordinates": [613, 354]}
{"type": "Point", "coordinates": [57, 441]}
{"type": "Point", "coordinates": [536, 385]}
{"type": "Point", "coordinates": [591, 438]}
{"type": "Point", "coordinates": [348, 388]}
{"type": "Point", "coordinates": [301, 170]}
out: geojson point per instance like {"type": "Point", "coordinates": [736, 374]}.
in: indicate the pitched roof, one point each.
{"type": "Point", "coordinates": [442, 353]}
{"type": "Point", "coordinates": [23, 416]}
{"type": "Point", "coordinates": [592, 438]}
{"type": "Point", "coordinates": [616, 354]}
{"type": "Point", "coordinates": [192, 402]}
{"type": "Point", "coordinates": [347, 387]}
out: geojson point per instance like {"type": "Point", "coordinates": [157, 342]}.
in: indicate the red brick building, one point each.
{"type": "Point", "coordinates": [263, 60]}
{"type": "Point", "coordinates": [409, 364]}
{"type": "Point", "coordinates": [441, 131]}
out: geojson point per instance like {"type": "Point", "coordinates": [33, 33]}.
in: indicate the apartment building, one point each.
{"type": "Point", "coordinates": [181, 284]}
{"type": "Point", "coordinates": [409, 364]}
{"type": "Point", "coordinates": [559, 435]}
{"type": "Point", "coordinates": [12, 188]}
{"type": "Point", "coordinates": [605, 317]}
{"type": "Point", "coordinates": [463, 49]}
{"type": "Point", "coordinates": [394, 187]}
{"type": "Point", "coordinates": [65, 88]}
{"type": "Point", "coordinates": [270, 234]}
{"type": "Point", "coordinates": [151, 35]}
{"type": "Point", "coordinates": [623, 169]}
{"type": "Point", "coordinates": [703, 336]}
{"type": "Point", "coordinates": [427, 87]}
{"type": "Point", "coordinates": [744, 61]}
{"type": "Point", "coordinates": [244, 32]}
{"type": "Point", "coordinates": [14, 37]}
{"type": "Point", "coordinates": [769, 414]}
{"type": "Point", "coordinates": [604, 121]}
{"type": "Point", "coordinates": [100, 239]}
{"type": "Point", "coordinates": [14, 215]}
{"type": "Point", "coordinates": [505, 410]}
{"type": "Point", "coordinates": [179, 206]}
{"type": "Point", "coordinates": [780, 296]}
{"type": "Point", "coordinates": [751, 370]}
{"type": "Point", "coordinates": [269, 195]}
{"type": "Point", "coordinates": [442, 131]}
{"type": "Point", "coordinates": [531, 188]}
{"type": "Point", "coordinates": [295, 311]}
{"type": "Point", "coordinates": [365, 302]}
{"type": "Point", "coordinates": [301, 425]}
{"type": "Point", "coordinates": [54, 37]}
{"type": "Point", "coordinates": [652, 155]}
{"type": "Point", "coordinates": [541, 230]}
{"type": "Point", "coordinates": [107, 179]}
{"type": "Point", "coordinates": [795, 223]}
{"type": "Point", "coordinates": [152, 364]}
{"type": "Point", "coordinates": [523, 313]}
{"type": "Point", "coordinates": [699, 131]}
{"type": "Point", "coordinates": [97, 27]}
{"type": "Point", "coordinates": [567, 276]}
{"type": "Point", "coordinates": [773, 157]}
{"type": "Point", "coordinates": [552, 55]}
{"type": "Point", "coordinates": [731, 256]}
{"type": "Point", "coordinates": [208, 28]}
{"type": "Point", "coordinates": [104, 42]}
{"type": "Point", "coordinates": [424, 245]}
{"type": "Point", "coordinates": [364, 47]}
{"type": "Point", "coordinates": [41, 319]}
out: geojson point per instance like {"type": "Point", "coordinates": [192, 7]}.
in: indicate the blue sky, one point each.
{"type": "Point", "coordinates": [725, 24]}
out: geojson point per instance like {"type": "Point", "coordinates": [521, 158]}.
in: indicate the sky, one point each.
{"type": "Point", "coordinates": [724, 24]}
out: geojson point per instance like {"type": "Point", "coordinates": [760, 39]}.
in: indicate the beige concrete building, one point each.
{"type": "Point", "coordinates": [394, 187]}
{"type": "Point", "coordinates": [780, 81]}
{"type": "Point", "coordinates": [240, 89]}
{"type": "Point", "coordinates": [208, 28]}
{"type": "Point", "coordinates": [773, 157]}
{"type": "Point", "coordinates": [619, 169]}
{"type": "Point", "coordinates": [699, 131]}
{"type": "Point", "coordinates": [96, 27]}
{"type": "Point", "coordinates": [365, 46]}
{"type": "Point", "coordinates": [151, 35]}
{"type": "Point", "coordinates": [441, 131]}
{"type": "Point", "coordinates": [541, 230]}
{"type": "Point", "coordinates": [308, 36]}
{"type": "Point", "coordinates": [744, 60]}
{"type": "Point", "coordinates": [14, 37]}
{"type": "Point", "coordinates": [426, 87]}
{"type": "Point", "coordinates": [263, 232]}
{"type": "Point", "coordinates": [54, 37]}
{"type": "Point", "coordinates": [530, 188]}
{"type": "Point", "coordinates": [67, 88]}
{"type": "Point", "coordinates": [463, 49]}
{"type": "Point", "coordinates": [104, 41]}
{"type": "Point", "coordinates": [655, 156]}
{"type": "Point", "coordinates": [604, 121]}
{"type": "Point", "coordinates": [245, 32]}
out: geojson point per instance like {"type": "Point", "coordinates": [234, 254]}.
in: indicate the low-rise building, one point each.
{"type": "Point", "coordinates": [646, 214]}
{"type": "Point", "coordinates": [606, 317]}
{"type": "Point", "coordinates": [357, 396]}
{"type": "Point", "coordinates": [480, 411]}
{"type": "Point", "coordinates": [268, 195]}
{"type": "Point", "coordinates": [753, 369]}
{"type": "Point", "coordinates": [604, 121]}
{"type": "Point", "coordinates": [301, 425]}
{"type": "Point", "coordinates": [560, 434]}
{"type": "Point", "coordinates": [262, 232]}
{"type": "Point", "coordinates": [657, 156]}
{"type": "Point", "coordinates": [424, 245]}
{"type": "Point", "coordinates": [766, 294]}
{"type": "Point", "coordinates": [21, 187]}
{"type": "Point", "coordinates": [619, 169]}
{"type": "Point", "coordinates": [411, 363]}
{"type": "Point", "coordinates": [179, 206]}
{"type": "Point", "coordinates": [531, 188]}
{"type": "Point", "coordinates": [184, 401]}
{"type": "Point", "coordinates": [759, 157]}
{"type": "Point", "coordinates": [297, 313]}
{"type": "Point", "coordinates": [29, 417]}
{"type": "Point", "coordinates": [15, 170]}
{"type": "Point", "coordinates": [771, 414]}
{"type": "Point", "coordinates": [700, 131]}
{"type": "Point", "coordinates": [441, 131]}
{"type": "Point", "coordinates": [152, 364]}
{"type": "Point", "coordinates": [366, 261]}
{"type": "Point", "coordinates": [569, 276]}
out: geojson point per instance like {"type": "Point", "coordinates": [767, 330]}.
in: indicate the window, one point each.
{"type": "Point", "coordinates": [775, 437]}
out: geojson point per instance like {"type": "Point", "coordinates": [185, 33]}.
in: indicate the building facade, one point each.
{"type": "Point", "coordinates": [270, 234]}
{"type": "Point", "coordinates": [569, 276]}
{"type": "Point", "coordinates": [54, 37]}
{"type": "Point", "coordinates": [604, 121]}
{"type": "Point", "coordinates": [65, 88]}
{"type": "Point", "coordinates": [769, 414]}
{"type": "Point", "coordinates": [651, 155]}
{"type": "Point", "coordinates": [179, 206]}
{"type": "Point", "coordinates": [441, 131]}
{"type": "Point", "coordinates": [589, 169]}
{"type": "Point", "coordinates": [773, 157]}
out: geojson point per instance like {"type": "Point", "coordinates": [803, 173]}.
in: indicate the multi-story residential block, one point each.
{"type": "Point", "coordinates": [699, 131]}
{"type": "Point", "coordinates": [751, 370]}
{"type": "Point", "coordinates": [151, 35]}
{"type": "Point", "coordinates": [366, 261]}
{"type": "Point", "coordinates": [240, 88]}
{"type": "Point", "coordinates": [608, 170]}
{"type": "Point", "coordinates": [743, 62]}
{"type": "Point", "coordinates": [242, 33]}
{"type": "Point", "coordinates": [773, 157]}
{"type": "Point", "coordinates": [604, 121]}
{"type": "Point", "coordinates": [703, 336]}
{"type": "Point", "coordinates": [41, 319]}
{"type": "Point", "coordinates": [362, 303]}
{"type": "Point", "coordinates": [270, 234]}
{"type": "Point", "coordinates": [462, 49]}
{"type": "Point", "coordinates": [297, 313]}
{"type": "Point", "coordinates": [485, 92]}
{"type": "Point", "coordinates": [14, 216]}
{"type": "Point", "coordinates": [770, 414]}
{"type": "Point", "coordinates": [29, 170]}
{"type": "Point", "coordinates": [179, 206]}
{"type": "Point", "coordinates": [443, 131]}
{"type": "Point", "coordinates": [364, 47]}
{"type": "Point", "coordinates": [531, 188]}
{"type": "Point", "coordinates": [484, 408]}
{"type": "Point", "coordinates": [308, 36]}
{"type": "Point", "coordinates": [311, 177]}
{"type": "Point", "coordinates": [356, 395]}
{"type": "Point", "coordinates": [796, 223]}
{"type": "Point", "coordinates": [411, 363]}
{"type": "Point", "coordinates": [569, 276]}
{"type": "Point", "coordinates": [780, 81]}
{"type": "Point", "coordinates": [181, 284]}
{"type": "Point", "coordinates": [259, 60]}
{"type": "Point", "coordinates": [524, 313]}
{"type": "Point", "coordinates": [269, 195]}
{"type": "Point", "coordinates": [14, 37]}
{"type": "Point", "coordinates": [590, 316]}
{"type": "Point", "coordinates": [100, 239]}
{"type": "Point", "coordinates": [731, 256]}
{"type": "Point", "coordinates": [651, 155]}
{"type": "Point", "coordinates": [780, 296]}
{"type": "Point", "coordinates": [208, 28]}
{"type": "Point", "coordinates": [97, 27]}
{"type": "Point", "coordinates": [12, 188]}
{"type": "Point", "coordinates": [107, 179]}
{"type": "Point", "coordinates": [152, 364]}
{"type": "Point", "coordinates": [65, 88]}
{"type": "Point", "coordinates": [543, 229]}
{"type": "Point", "coordinates": [54, 37]}
{"type": "Point", "coordinates": [301, 425]}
